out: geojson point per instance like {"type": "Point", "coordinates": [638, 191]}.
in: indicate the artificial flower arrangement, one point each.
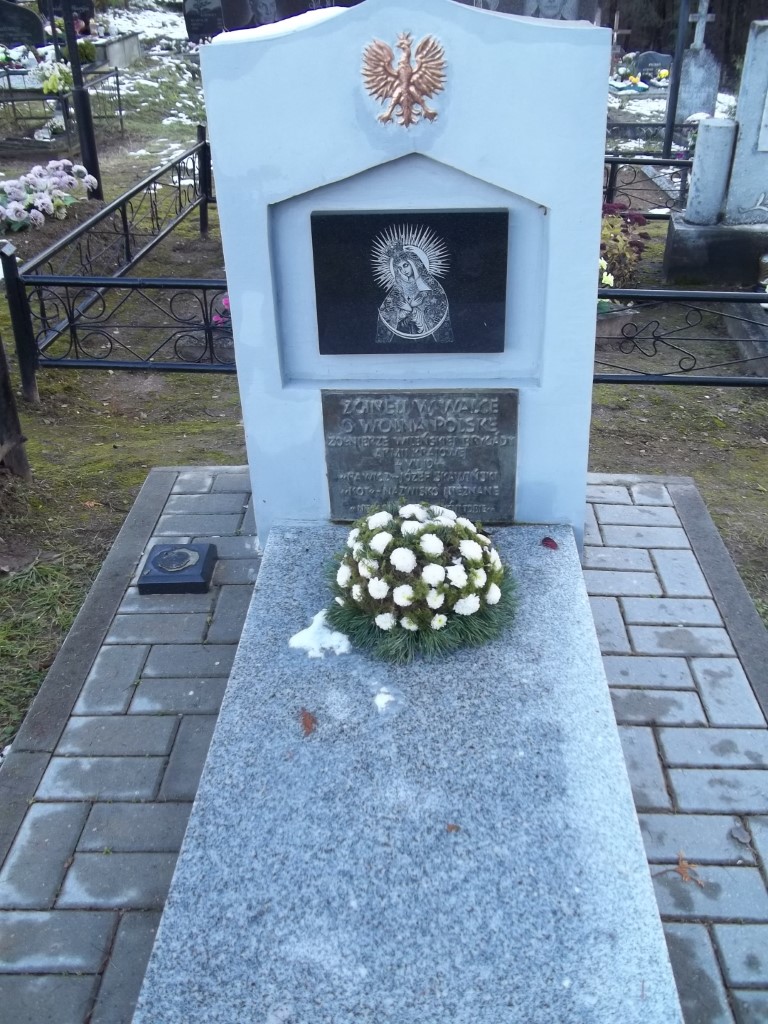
{"type": "Point", "coordinates": [419, 579]}
{"type": "Point", "coordinates": [43, 191]}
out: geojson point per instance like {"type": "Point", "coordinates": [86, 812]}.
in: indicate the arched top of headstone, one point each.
{"type": "Point", "coordinates": [20, 26]}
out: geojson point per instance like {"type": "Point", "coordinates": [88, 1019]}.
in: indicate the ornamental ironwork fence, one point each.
{"type": "Point", "coordinates": [653, 186]}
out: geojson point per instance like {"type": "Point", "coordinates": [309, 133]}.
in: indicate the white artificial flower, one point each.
{"type": "Point", "coordinates": [407, 623]}
{"type": "Point", "coordinates": [431, 544]}
{"type": "Point", "coordinates": [435, 598]}
{"type": "Point", "coordinates": [438, 510]}
{"type": "Point", "coordinates": [379, 519]}
{"type": "Point", "coordinates": [411, 527]}
{"type": "Point", "coordinates": [357, 549]}
{"type": "Point", "coordinates": [493, 594]}
{"type": "Point", "coordinates": [479, 578]}
{"type": "Point", "coordinates": [344, 575]}
{"type": "Point", "coordinates": [413, 512]}
{"type": "Point", "coordinates": [493, 558]}
{"type": "Point", "coordinates": [367, 567]}
{"type": "Point", "coordinates": [433, 574]}
{"type": "Point", "coordinates": [357, 592]}
{"type": "Point", "coordinates": [457, 574]}
{"type": "Point", "coordinates": [467, 605]}
{"type": "Point", "coordinates": [380, 542]}
{"type": "Point", "coordinates": [482, 539]}
{"type": "Point", "coordinates": [352, 538]}
{"type": "Point", "coordinates": [385, 621]}
{"type": "Point", "coordinates": [403, 595]}
{"type": "Point", "coordinates": [340, 601]}
{"type": "Point", "coordinates": [471, 550]}
{"type": "Point", "coordinates": [378, 588]}
{"type": "Point", "coordinates": [438, 621]}
{"type": "Point", "coordinates": [403, 559]}
{"type": "Point", "coordinates": [443, 521]}
{"type": "Point", "coordinates": [467, 524]}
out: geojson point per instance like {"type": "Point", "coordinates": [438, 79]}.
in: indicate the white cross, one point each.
{"type": "Point", "coordinates": [700, 20]}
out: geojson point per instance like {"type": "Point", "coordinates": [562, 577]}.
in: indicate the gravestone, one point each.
{"type": "Point", "coordinates": [84, 9]}
{"type": "Point", "coordinates": [700, 72]}
{"type": "Point", "coordinates": [19, 26]}
{"type": "Point", "coordinates": [648, 64]}
{"type": "Point", "coordinates": [204, 19]}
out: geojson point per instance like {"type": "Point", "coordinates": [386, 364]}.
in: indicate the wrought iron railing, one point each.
{"type": "Point", "coordinates": [651, 185]}
{"type": "Point", "coordinates": [648, 138]}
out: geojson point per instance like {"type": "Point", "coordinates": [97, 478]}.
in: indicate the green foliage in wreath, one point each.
{"type": "Point", "coordinates": [419, 580]}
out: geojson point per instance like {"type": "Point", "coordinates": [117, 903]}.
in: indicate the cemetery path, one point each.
{"type": "Point", "coordinates": [99, 782]}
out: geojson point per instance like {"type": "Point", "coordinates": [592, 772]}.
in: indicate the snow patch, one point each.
{"type": "Point", "coordinates": [383, 698]}
{"type": "Point", "coordinates": [317, 638]}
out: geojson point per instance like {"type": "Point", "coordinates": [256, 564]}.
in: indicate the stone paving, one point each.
{"type": "Point", "coordinates": [98, 786]}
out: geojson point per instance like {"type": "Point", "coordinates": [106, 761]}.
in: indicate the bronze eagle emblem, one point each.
{"type": "Point", "coordinates": [405, 85]}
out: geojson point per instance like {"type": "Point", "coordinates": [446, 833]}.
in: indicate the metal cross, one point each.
{"type": "Point", "coordinates": [619, 32]}
{"type": "Point", "coordinates": [700, 19]}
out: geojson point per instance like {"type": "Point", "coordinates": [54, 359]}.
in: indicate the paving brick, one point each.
{"type": "Point", "coordinates": [744, 953]}
{"type": "Point", "coordinates": [650, 494]}
{"type": "Point", "coordinates": [134, 881]}
{"type": "Point", "coordinates": [685, 640]}
{"type": "Point", "coordinates": [644, 768]}
{"type": "Point", "coordinates": [102, 736]}
{"type": "Point", "coordinates": [608, 493]}
{"type": "Point", "coordinates": [193, 481]}
{"type": "Point", "coordinates": [636, 515]}
{"type": "Point", "coordinates": [229, 615]}
{"type": "Point", "coordinates": [240, 481]}
{"type": "Point", "coordinates": [207, 504]}
{"type": "Point", "coordinates": [645, 536]}
{"type": "Point", "coordinates": [233, 547]}
{"type": "Point", "coordinates": [215, 525]}
{"type": "Point", "coordinates": [187, 758]}
{"type": "Point", "coordinates": [156, 604]}
{"type": "Point", "coordinates": [248, 524]}
{"type": "Point", "coordinates": [186, 628]}
{"type": "Point", "coordinates": [680, 573]}
{"type": "Point", "coordinates": [178, 696]}
{"type": "Point", "coordinates": [591, 529]}
{"type": "Point", "coordinates": [109, 685]}
{"type": "Point", "coordinates": [702, 838]}
{"type": "Point", "coordinates": [724, 748]}
{"type": "Point", "coordinates": [122, 980]}
{"type": "Point", "coordinates": [750, 1007]}
{"type": "Point", "coordinates": [602, 581]}
{"type": "Point", "coordinates": [703, 999]}
{"type": "Point", "coordinates": [36, 862]}
{"type": "Point", "coordinates": [54, 942]}
{"type": "Point", "coordinates": [193, 660]}
{"type": "Point", "coordinates": [671, 611]}
{"type": "Point", "coordinates": [609, 625]}
{"type": "Point", "coordinates": [657, 707]}
{"type": "Point", "coordinates": [636, 559]}
{"type": "Point", "coordinates": [725, 893]}
{"type": "Point", "coordinates": [236, 570]}
{"type": "Point", "coordinates": [655, 673]}
{"type": "Point", "coordinates": [726, 692]}
{"type": "Point", "coordinates": [101, 778]}
{"type": "Point", "coordinates": [738, 790]}
{"type": "Point", "coordinates": [759, 828]}
{"type": "Point", "coordinates": [47, 999]}
{"type": "Point", "coordinates": [135, 828]}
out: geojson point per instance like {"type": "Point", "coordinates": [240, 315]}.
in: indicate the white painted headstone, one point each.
{"type": "Point", "coordinates": [294, 132]}
{"type": "Point", "coordinates": [747, 201]}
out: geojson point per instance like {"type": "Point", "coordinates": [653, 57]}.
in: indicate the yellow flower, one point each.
{"type": "Point", "coordinates": [664, 73]}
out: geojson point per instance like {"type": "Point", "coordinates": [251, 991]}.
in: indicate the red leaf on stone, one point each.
{"type": "Point", "coordinates": [450, 827]}
{"type": "Point", "coordinates": [549, 543]}
{"type": "Point", "coordinates": [308, 721]}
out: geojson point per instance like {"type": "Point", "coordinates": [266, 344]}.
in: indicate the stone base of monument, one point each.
{"type": "Point", "coordinates": [453, 841]}
{"type": "Point", "coordinates": [718, 252]}
{"type": "Point", "coordinates": [119, 51]}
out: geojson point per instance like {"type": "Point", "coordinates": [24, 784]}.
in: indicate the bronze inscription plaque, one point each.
{"type": "Point", "coordinates": [453, 448]}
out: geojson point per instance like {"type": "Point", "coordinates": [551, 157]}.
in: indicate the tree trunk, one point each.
{"type": "Point", "coordinates": [12, 454]}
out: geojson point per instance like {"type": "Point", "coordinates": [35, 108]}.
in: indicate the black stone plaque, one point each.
{"type": "Point", "coordinates": [648, 65]}
{"type": "Point", "coordinates": [410, 282]}
{"type": "Point", "coordinates": [453, 448]}
{"type": "Point", "coordinates": [19, 26]}
{"type": "Point", "coordinates": [204, 19]}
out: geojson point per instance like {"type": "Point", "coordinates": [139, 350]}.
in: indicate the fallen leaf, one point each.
{"type": "Point", "coordinates": [450, 827]}
{"type": "Point", "coordinates": [92, 504]}
{"type": "Point", "coordinates": [308, 721]}
{"type": "Point", "coordinates": [548, 542]}
{"type": "Point", "coordinates": [687, 871]}
{"type": "Point", "coordinates": [741, 835]}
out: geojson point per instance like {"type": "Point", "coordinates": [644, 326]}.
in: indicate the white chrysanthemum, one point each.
{"type": "Point", "coordinates": [380, 542]}
{"type": "Point", "coordinates": [493, 594]}
{"type": "Point", "coordinates": [435, 599]}
{"type": "Point", "coordinates": [357, 549]}
{"type": "Point", "coordinates": [471, 550]}
{"type": "Point", "coordinates": [340, 601]}
{"type": "Point", "coordinates": [467, 524]}
{"type": "Point", "coordinates": [457, 575]}
{"type": "Point", "coordinates": [411, 527]}
{"type": "Point", "coordinates": [413, 512]}
{"type": "Point", "coordinates": [344, 575]}
{"type": "Point", "coordinates": [403, 595]}
{"type": "Point", "coordinates": [493, 558]}
{"type": "Point", "coordinates": [479, 578]}
{"type": "Point", "coordinates": [482, 539]}
{"type": "Point", "coordinates": [467, 605]}
{"type": "Point", "coordinates": [407, 623]}
{"type": "Point", "coordinates": [379, 519]}
{"type": "Point", "coordinates": [403, 559]}
{"type": "Point", "coordinates": [431, 544]}
{"type": "Point", "coordinates": [433, 574]}
{"type": "Point", "coordinates": [438, 621]}
{"type": "Point", "coordinates": [385, 621]}
{"type": "Point", "coordinates": [352, 538]}
{"type": "Point", "coordinates": [367, 567]}
{"type": "Point", "coordinates": [378, 588]}
{"type": "Point", "coordinates": [357, 593]}
{"type": "Point", "coordinates": [443, 521]}
{"type": "Point", "coordinates": [438, 510]}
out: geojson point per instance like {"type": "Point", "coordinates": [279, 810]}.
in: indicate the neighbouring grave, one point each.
{"type": "Point", "coordinates": [19, 26]}
{"type": "Point", "coordinates": [700, 72]}
{"type": "Point", "coordinates": [455, 839]}
{"type": "Point", "coordinates": [203, 18]}
{"type": "Point", "coordinates": [647, 65]}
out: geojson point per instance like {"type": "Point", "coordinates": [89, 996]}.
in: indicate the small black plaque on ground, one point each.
{"type": "Point", "coordinates": [410, 282]}
{"type": "Point", "coordinates": [178, 569]}
{"type": "Point", "coordinates": [453, 448]}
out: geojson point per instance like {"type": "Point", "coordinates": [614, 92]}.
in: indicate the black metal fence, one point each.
{"type": "Point", "coordinates": [655, 186]}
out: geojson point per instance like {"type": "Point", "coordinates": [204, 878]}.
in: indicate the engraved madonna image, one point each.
{"type": "Point", "coordinates": [410, 282]}
{"type": "Point", "coordinates": [408, 262]}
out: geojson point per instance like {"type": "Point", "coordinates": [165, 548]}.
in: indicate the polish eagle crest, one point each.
{"type": "Point", "coordinates": [404, 85]}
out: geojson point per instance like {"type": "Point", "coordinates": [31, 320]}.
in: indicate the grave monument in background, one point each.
{"type": "Point", "coordinates": [700, 72]}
